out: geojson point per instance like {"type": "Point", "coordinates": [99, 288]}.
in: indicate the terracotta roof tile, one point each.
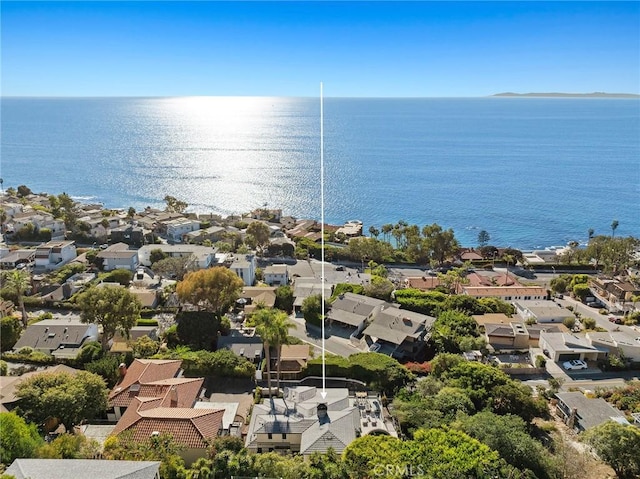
{"type": "Point", "coordinates": [142, 371]}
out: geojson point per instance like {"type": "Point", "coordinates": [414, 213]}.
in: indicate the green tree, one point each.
{"type": "Point", "coordinates": [4, 368]}
{"type": "Point", "coordinates": [483, 238]}
{"type": "Point", "coordinates": [614, 227]}
{"type": "Point", "coordinates": [284, 298]}
{"type": "Point", "coordinates": [173, 267]}
{"type": "Point", "coordinates": [260, 232]}
{"type": "Point", "coordinates": [113, 308]}
{"type": "Point", "coordinates": [581, 291]}
{"type": "Point", "coordinates": [17, 438]}
{"type": "Point", "coordinates": [162, 447]}
{"type": "Point", "coordinates": [10, 330]}
{"type": "Point", "coordinates": [450, 329]}
{"type": "Point", "coordinates": [18, 282]}
{"type": "Point", "coordinates": [213, 289]}
{"type": "Point", "coordinates": [379, 287]}
{"type": "Point", "coordinates": [312, 310]}
{"type": "Point", "coordinates": [509, 436]}
{"type": "Point", "coordinates": [156, 255]}
{"type": "Point", "coordinates": [618, 446]}
{"type": "Point", "coordinates": [174, 205]}
{"type": "Point", "coordinates": [440, 244]}
{"type": "Point", "coordinates": [121, 276]}
{"type": "Point", "coordinates": [272, 326]}
{"type": "Point", "coordinates": [70, 398]}
{"type": "Point", "coordinates": [69, 446]}
{"type": "Point", "coordinates": [144, 347]}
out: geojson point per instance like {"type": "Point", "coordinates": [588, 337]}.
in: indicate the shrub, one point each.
{"type": "Point", "coordinates": [10, 329]}
{"type": "Point", "coordinates": [541, 361]}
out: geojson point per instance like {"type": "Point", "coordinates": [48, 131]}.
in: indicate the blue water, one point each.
{"type": "Point", "coordinates": [532, 172]}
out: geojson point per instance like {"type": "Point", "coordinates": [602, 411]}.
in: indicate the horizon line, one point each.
{"type": "Point", "coordinates": [492, 95]}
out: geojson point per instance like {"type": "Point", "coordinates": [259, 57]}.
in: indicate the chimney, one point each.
{"type": "Point", "coordinates": [123, 370]}
{"type": "Point", "coordinates": [174, 397]}
{"type": "Point", "coordinates": [322, 413]}
{"type": "Point", "coordinates": [571, 421]}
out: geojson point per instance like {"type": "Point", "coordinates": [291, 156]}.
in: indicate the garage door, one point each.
{"type": "Point", "coordinates": [568, 356]}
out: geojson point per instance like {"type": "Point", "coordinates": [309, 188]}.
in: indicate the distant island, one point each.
{"type": "Point", "coordinates": [596, 94]}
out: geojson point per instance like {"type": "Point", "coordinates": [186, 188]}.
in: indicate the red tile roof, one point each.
{"type": "Point", "coordinates": [189, 427]}
{"type": "Point", "coordinates": [142, 371]}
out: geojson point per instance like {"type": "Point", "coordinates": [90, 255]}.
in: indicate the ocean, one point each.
{"type": "Point", "coordinates": [532, 172]}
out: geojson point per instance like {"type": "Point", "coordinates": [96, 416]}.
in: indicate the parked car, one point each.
{"type": "Point", "coordinates": [375, 347]}
{"type": "Point", "coordinates": [339, 268]}
{"type": "Point", "coordinates": [613, 319]}
{"type": "Point", "coordinates": [575, 364]}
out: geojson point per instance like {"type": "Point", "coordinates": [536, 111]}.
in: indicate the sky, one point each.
{"type": "Point", "coordinates": [357, 49]}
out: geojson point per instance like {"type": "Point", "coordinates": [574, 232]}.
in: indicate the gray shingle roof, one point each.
{"type": "Point", "coordinates": [76, 468]}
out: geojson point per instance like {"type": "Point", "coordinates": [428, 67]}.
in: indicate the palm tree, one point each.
{"type": "Point", "coordinates": [272, 326]}
{"type": "Point", "coordinates": [614, 227]}
{"type": "Point", "coordinates": [18, 282]}
{"type": "Point", "coordinates": [591, 233]}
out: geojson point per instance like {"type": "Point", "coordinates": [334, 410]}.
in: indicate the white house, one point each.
{"type": "Point", "coordinates": [119, 256]}
{"type": "Point", "coordinates": [542, 311]}
{"type": "Point", "coordinates": [178, 227]}
{"type": "Point", "coordinates": [276, 275]}
{"type": "Point", "coordinates": [201, 256]}
{"type": "Point", "coordinates": [55, 254]}
{"type": "Point", "coordinates": [244, 266]}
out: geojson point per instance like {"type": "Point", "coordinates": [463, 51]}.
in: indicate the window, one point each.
{"type": "Point", "coordinates": [259, 450]}
{"type": "Point", "coordinates": [270, 436]}
{"type": "Point", "coordinates": [284, 436]}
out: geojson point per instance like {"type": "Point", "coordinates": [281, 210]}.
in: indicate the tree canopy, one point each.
{"type": "Point", "coordinates": [213, 289]}
{"type": "Point", "coordinates": [17, 438]}
{"type": "Point", "coordinates": [618, 446]}
{"type": "Point", "coordinates": [114, 308]}
{"type": "Point", "coordinates": [70, 398]}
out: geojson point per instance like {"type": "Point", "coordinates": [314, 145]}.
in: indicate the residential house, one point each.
{"type": "Point", "coordinates": [79, 281]}
{"type": "Point", "coordinates": [561, 347]}
{"type": "Point", "coordinates": [17, 257]}
{"type": "Point", "coordinates": [400, 333]}
{"type": "Point", "coordinates": [252, 296]}
{"type": "Point", "coordinates": [469, 254]}
{"type": "Point", "coordinates": [61, 338]}
{"type": "Point", "coordinates": [93, 468]}
{"type": "Point", "coordinates": [306, 287]}
{"type": "Point", "coordinates": [200, 257]}
{"type": "Point", "coordinates": [618, 343]}
{"type": "Point", "coordinates": [167, 405]}
{"type": "Point", "coordinates": [506, 293]}
{"type": "Point", "coordinates": [129, 234]}
{"type": "Point", "coordinates": [354, 311]}
{"type": "Point", "coordinates": [293, 359]}
{"type": "Point", "coordinates": [248, 346]}
{"type": "Point", "coordinates": [509, 335]}
{"type": "Point", "coordinates": [178, 227]}
{"type": "Point", "coordinates": [302, 422]}
{"type": "Point", "coordinates": [138, 374]}
{"type": "Point", "coordinates": [122, 344]}
{"type": "Point", "coordinates": [351, 229]}
{"type": "Point", "coordinates": [244, 265]}
{"type": "Point", "coordinates": [39, 220]}
{"type": "Point", "coordinates": [582, 413]}
{"type": "Point", "coordinates": [277, 274]}
{"type": "Point", "coordinates": [541, 311]}
{"type": "Point", "coordinates": [54, 254]}
{"type": "Point", "coordinates": [616, 293]}
{"type": "Point", "coordinates": [119, 256]}
{"type": "Point", "coordinates": [212, 234]}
